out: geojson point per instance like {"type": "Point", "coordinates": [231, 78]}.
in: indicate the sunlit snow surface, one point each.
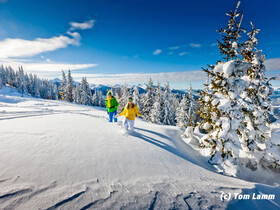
{"type": "Point", "coordinates": [55, 154]}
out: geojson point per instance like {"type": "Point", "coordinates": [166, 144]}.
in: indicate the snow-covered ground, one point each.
{"type": "Point", "coordinates": [55, 154]}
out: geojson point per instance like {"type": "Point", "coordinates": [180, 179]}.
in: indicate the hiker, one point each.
{"type": "Point", "coordinates": [111, 106]}
{"type": "Point", "coordinates": [129, 112]}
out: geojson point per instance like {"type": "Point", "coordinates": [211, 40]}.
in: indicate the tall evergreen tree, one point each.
{"type": "Point", "coordinates": [86, 96]}
{"type": "Point", "coordinates": [123, 98]}
{"type": "Point", "coordinates": [137, 98]}
{"type": "Point", "coordinates": [182, 113]}
{"type": "Point", "coordinates": [36, 87]}
{"type": "Point", "coordinates": [235, 105]}
{"type": "Point", "coordinates": [148, 101]}
{"type": "Point", "coordinates": [68, 90]}
{"type": "Point", "coordinates": [63, 84]}
{"type": "Point", "coordinates": [3, 76]}
{"type": "Point", "coordinates": [168, 112]}
{"type": "Point", "coordinates": [157, 112]}
{"type": "Point", "coordinates": [77, 94]}
{"type": "Point", "coordinates": [221, 101]}
{"type": "Point", "coordinates": [21, 82]}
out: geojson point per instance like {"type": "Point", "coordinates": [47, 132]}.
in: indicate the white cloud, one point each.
{"type": "Point", "coordinates": [53, 67]}
{"type": "Point", "coordinates": [107, 79]}
{"type": "Point", "coordinates": [174, 48]}
{"type": "Point", "coordinates": [48, 60]}
{"type": "Point", "coordinates": [156, 52]}
{"type": "Point", "coordinates": [183, 53]}
{"type": "Point", "coordinates": [272, 64]}
{"type": "Point", "coordinates": [81, 26]}
{"type": "Point", "coordinates": [16, 48]}
{"type": "Point", "coordinates": [46, 69]}
{"type": "Point", "coordinates": [195, 45]}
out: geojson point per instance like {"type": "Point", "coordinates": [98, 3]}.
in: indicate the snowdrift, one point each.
{"type": "Point", "coordinates": [56, 154]}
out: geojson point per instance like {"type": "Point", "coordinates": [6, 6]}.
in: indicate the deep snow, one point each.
{"type": "Point", "coordinates": [56, 154]}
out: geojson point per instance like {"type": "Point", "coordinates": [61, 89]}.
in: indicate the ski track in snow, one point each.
{"type": "Point", "coordinates": [58, 155]}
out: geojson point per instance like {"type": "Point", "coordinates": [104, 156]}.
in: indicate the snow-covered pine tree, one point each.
{"type": "Point", "coordinates": [21, 82]}
{"type": "Point", "coordinates": [1, 81]}
{"type": "Point", "coordinates": [258, 96]}
{"type": "Point", "coordinates": [148, 101]}
{"type": "Point", "coordinates": [31, 84]}
{"type": "Point", "coordinates": [3, 77]}
{"type": "Point", "coordinates": [11, 76]}
{"type": "Point", "coordinates": [63, 83]}
{"type": "Point", "coordinates": [101, 100]}
{"type": "Point", "coordinates": [175, 104]}
{"type": "Point", "coordinates": [86, 96]}
{"type": "Point", "coordinates": [168, 112]}
{"type": "Point", "coordinates": [28, 83]}
{"type": "Point", "coordinates": [192, 109]}
{"type": "Point", "coordinates": [157, 112]}
{"type": "Point", "coordinates": [94, 98]}
{"type": "Point", "coordinates": [191, 114]}
{"type": "Point", "coordinates": [77, 94]}
{"type": "Point", "coordinates": [182, 113]}
{"type": "Point", "coordinates": [68, 90]}
{"type": "Point", "coordinates": [222, 105]}
{"type": "Point", "coordinates": [123, 98]}
{"type": "Point", "coordinates": [137, 98]}
{"type": "Point", "coordinates": [36, 86]}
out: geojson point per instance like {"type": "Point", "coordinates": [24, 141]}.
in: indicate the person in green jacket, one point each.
{"type": "Point", "coordinates": [111, 106]}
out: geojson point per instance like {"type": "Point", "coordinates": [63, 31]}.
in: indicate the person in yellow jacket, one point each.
{"type": "Point", "coordinates": [130, 111]}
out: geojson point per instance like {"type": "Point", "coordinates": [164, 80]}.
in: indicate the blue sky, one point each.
{"type": "Point", "coordinates": [126, 41]}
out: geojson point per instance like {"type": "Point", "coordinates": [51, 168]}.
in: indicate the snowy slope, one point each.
{"type": "Point", "coordinates": [55, 154]}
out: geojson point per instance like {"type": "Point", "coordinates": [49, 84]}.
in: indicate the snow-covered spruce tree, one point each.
{"type": "Point", "coordinates": [182, 113]}
{"type": "Point", "coordinates": [186, 114]}
{"type": "Point", "coordinates": [175, 104]}
{"type": "Point", "coordinates": [168, 111]}
{"type": "Point", "coordinates": [101, 100]}
{"type": "Point", "coordinates": [86, 96]}
{"type": "Point", "coordinates": [192, 117]}
{"type": "Point", "coordinates": [137, 98]}
{"type": "Point", "coordinates": [63, 83]}
{"type": "Point", "coordinates": [31, 84]}
{"type": "Point", "coordinates": [192, 110]}
{"type": "Point", "coordinates": [94, 98]}
{"type": "Point", "coordinates": [11, 76]}
{"type": "Point", "coordinates": [222, 104]}
{"type": "Point", "coordinates": [258, 96]}
{"type": "Point", "coordinates": [1, 81]}
{"type": "Point", "coordinates": [77, 94]}
{"type": "Point", "coordinates": [21, 82]}
{"type": "Point", "coordinates": [3, 76]}
{"type": "Point", "coordinates": [148, 101]}
{"type": "Point", "coordinates": [157, 112]}
{"type": "Point", "coordinates": [28, 83]}
{"type": "Point", "coordinates": [68, 90]}
{"type": "Point", "coordinates": [36, 87]}
{"type": "Point", "coordinates": [123, 98]}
